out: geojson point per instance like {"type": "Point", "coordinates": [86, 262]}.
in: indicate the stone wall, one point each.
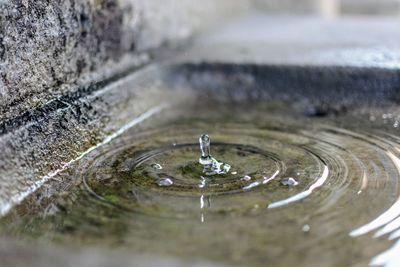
{"type": "Point", "coordinates": [47, 46]}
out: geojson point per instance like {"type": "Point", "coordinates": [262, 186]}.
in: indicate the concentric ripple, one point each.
{"type": "Point", "coordinates": [158, 173]}
{"type": "Point", "coordinates": [344, 179]}
{"type": "Point", "coordinates": [299, 192]}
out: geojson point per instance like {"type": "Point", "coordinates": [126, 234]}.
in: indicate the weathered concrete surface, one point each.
{"type": "Point", "coordinates": [47, 46]}
{"type": "Point", "coordinates": [304, 41]}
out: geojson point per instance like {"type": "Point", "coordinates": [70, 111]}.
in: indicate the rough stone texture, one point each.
{"type": "Point", "coordinates": [47, 46]}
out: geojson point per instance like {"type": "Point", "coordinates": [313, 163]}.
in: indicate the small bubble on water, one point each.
{"type": "Point", "coordinates": [245, 178]}
{"type": "Point", "coordinates": [157, 166]}
{"type": "Point", "coordinates": [165, 182]}
{"type": "Point", "coordinates": [306, 228]}
{"type": "Point", "coordinates": [387, 116]}
{"type": "Point", "coordinates": [289, 181]}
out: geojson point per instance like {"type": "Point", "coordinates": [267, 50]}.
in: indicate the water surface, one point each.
{"type": "Point", "coordinates": [145, 191]}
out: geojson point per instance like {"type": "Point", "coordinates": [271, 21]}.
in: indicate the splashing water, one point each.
{"type": "Point", "coordinates": [210, 164]}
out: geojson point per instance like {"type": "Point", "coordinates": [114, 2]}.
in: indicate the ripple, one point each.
{"type": "Point", "coordinates": [339, 171]}
{"type": "Point", "coordinates": [320, 181]}
{"type": "Point", "coordinates": [265, 159]}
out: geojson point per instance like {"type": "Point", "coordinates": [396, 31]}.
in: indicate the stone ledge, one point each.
{"type": "Point", "coordinates": [47, 46]}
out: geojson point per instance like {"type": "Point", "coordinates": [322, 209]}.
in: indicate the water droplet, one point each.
{"type": "Point", "coordinates": [156, 166]}
{"type": "Point", "coordinates": [205, 149]}
{"type": "Point", "coordinates": [387, 116]}
{"type": "Point", "coordinates": [245, 178]}
{"type": "Point", "coordinates": [306, 228]}
{"type": "Point", "coordinates": [202, 182]}
{"type": "Point", "coordinates": [211, 165]}
{"type": "Point", "coordinates": [165, 182]}
{"type": "Point", "coordinates": [289, 181]}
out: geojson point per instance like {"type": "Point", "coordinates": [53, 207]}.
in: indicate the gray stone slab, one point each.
{"type": "Point", "coordinates": [303, 40]}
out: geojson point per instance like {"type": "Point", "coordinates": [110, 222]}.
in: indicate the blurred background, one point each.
{"type": "Point", "coordinates": [333, 7]}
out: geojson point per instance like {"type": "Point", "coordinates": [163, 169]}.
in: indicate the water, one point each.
{"type": "Point", "coordinates": [298, 191]}
{"type": "Point", "coordinates": [211, 166]}
{"type": "Point", "coordinates": [290, 181]}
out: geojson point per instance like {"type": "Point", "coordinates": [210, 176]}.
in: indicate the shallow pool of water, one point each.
{"type": "Point", "coordinates": [303, 188]}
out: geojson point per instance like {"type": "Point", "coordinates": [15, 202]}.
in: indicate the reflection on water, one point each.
{"type": "Point", "coordinates": [299, 191]}
{"type": "Point", "coordinates": [320, 181]}
{"type": "Point", "coordinates": [390, 221]}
